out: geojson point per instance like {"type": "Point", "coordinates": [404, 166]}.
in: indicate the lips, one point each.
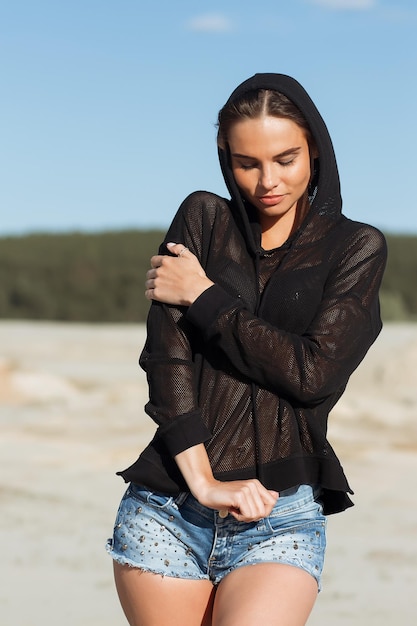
{"type": "Point", "coordinates": [270, 200]}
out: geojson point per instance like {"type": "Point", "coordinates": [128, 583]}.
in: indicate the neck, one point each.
{"type": "Point", "coordinates": [276, 231]}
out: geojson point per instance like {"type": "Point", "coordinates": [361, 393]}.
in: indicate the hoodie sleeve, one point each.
{"type": "Point", "coordinates": [305, 368]}
{"type": "Point", "coordinates": [167, 359]}
{"type": "Point", "coordinates": [168, 355]}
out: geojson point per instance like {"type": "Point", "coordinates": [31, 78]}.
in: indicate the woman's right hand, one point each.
{"type": "Point", "coordinates": [246, 500]}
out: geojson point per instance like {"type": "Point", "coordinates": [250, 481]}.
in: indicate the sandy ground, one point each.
{"type": "Point", "coordinates": [71, 402]}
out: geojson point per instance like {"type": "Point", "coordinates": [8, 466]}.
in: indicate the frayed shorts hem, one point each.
{"type": "Point", "coordinates": [149, 570]}
{"type": "Point", "coordinates": [164, 573]}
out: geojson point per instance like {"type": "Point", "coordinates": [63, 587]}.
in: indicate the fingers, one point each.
{"type": "Point", "coordinates": [149, 293]}
{"type": "Point", "coordinates": [161, 265]}
{"type": "Point", "coordinates": [254, 501]}
{"type": "Point", "coordinates": [177, 280]}
{"type": "Point", "coordinates": [247, 500]}
{"type": "Point", "coordinates": [177, 248]}
{"type": "Point", "coordinates": [156, 261]}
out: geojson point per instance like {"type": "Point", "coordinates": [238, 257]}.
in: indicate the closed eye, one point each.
{"type": "Point", "coordinates": [247, 166]}
{"type": "Point", "coordinates": [250, 166]}
{"type": "Point", "coordinates": [284, 159]}
{"type": "Point", "coordinates": [286, 163]}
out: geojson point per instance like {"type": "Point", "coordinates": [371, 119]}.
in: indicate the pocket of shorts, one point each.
{"type": "Point", "coordinates": [303, 513]}
{"type": "Point", "coordinates": [152, 498]}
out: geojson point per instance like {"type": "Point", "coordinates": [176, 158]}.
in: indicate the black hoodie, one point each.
{"type": "Point", "coordinates": [254, 366]}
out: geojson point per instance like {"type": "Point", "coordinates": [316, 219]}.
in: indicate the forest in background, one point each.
{"type": "Point", "coordinates": [100, 277]}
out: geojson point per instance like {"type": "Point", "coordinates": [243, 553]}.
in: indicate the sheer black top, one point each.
{"type": "Point", "coordinates": [255, 365]}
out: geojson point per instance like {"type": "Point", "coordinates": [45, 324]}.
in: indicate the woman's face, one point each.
{"type": "Point", "coordinates": [271, 165]}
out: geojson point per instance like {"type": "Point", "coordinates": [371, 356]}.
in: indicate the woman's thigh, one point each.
{"type": "Point", "coordinates": [149, 599]}
{"type": "Point", "coordinates": [270, 594]}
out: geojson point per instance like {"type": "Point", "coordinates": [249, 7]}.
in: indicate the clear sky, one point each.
{"type": "Point", "coordinates": [108, 107]}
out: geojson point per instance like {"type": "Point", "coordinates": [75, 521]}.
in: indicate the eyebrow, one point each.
{"type": "Point", "coordinates": [277, 156]}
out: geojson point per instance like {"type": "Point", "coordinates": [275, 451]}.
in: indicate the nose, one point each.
{"type": "Point", "coordinates": [269, 177]}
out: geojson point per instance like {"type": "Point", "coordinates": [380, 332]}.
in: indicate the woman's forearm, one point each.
{"type": "Point", "coordinates": [195, 466]}
{"type": "Point", "coordinates": [246, 500]}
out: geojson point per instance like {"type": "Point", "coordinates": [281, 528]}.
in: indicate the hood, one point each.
{"type": "Point", "coordinates": [324, 193]}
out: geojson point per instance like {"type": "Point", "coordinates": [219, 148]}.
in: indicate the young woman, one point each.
{"type": "Point", "coordinates": [262, 307]}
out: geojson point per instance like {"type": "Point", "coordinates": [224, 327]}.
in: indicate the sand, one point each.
{"type": "Point", "coordinates": [71, 413]}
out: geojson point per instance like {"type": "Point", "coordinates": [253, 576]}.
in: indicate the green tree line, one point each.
{"type": "Point", "coordinates": [100, 277]}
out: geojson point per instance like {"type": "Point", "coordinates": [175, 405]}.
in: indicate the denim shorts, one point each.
{"type": "Point", "coordinates": [176, 536]}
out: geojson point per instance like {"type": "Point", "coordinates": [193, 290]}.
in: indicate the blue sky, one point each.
{"type": "Point", "coordinates": [108, 107]}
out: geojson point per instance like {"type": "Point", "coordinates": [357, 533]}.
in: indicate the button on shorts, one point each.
{"type": "Point", "coordinates": [176, 536]}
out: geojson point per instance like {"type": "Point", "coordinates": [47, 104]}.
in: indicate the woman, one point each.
{"type": "Point", "coordinates": [263, 306]}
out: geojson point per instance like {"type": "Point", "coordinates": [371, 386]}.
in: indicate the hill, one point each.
{"type": "Point", "coordinates": [100, 277]}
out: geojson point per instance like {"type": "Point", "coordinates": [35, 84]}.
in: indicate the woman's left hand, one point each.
{"type": "Point", "coordinates": [176, 280]}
